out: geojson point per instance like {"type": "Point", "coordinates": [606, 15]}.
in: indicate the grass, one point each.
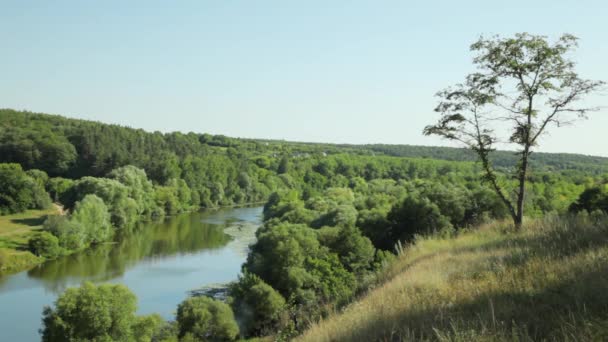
{"type": "Point", "coordinates": [15, 231]}
{"type": "Point", "coordinates": [548, 281]}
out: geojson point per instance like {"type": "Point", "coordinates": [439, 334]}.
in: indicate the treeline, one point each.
{"type": "Point", "coordinates": [97, 209]}
{"type": "Point", "coordinates": [501, 159]}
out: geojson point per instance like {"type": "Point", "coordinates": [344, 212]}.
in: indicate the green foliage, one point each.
{"type": "Point", "coordinates": [70, 236]}
{"type": "Point", "coordinates": [140, 189]}
{"type": "Point", "coordinates": [147, 328]}
{"type": "Point", "coordinates": [35, 145]}
{"type": "Point", "coordinates": [113, 193]}
{"type": "Point", "coordinates": [93, 219]}
{"type": "Point", "coordinates": [356, 252]}
{"type": "Point", "coordinates": [88, 224]}
{"type": "Point", "coordinates": [19, 192]}
{"type": "Point", "coordinates": [414, 216]}
{"type": "Point", "coordinates": [92, 313]}
{"type": "Point", "coordinates": [592, 199]}
{"type": "Point", "coordinates": [45, 245]}
{"type": "Point", "coordinates": [524, 82]}
{"type": "Point", "coordinates": [257, 305]}
{"type": "Point", "coordinates": [206, 319]}
{"type": "Point", "coordinates": [57, 187]}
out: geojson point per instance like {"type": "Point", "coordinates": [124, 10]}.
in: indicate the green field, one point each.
{"type": "Point", "coordinates": [15, 231]}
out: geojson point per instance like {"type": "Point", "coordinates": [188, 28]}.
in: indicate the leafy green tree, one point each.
{"type": "Point", "coordinates": [525, 82]}
{"type": "Point", "coordinates": [592, 199]}
{"type": "Point", "coordinates": [164, 167]}
{"type": "Point", "coordinates": [139, 187]}
{"type": "Point", "coordinates": [115, 195]}
{"type": "Point", "coordinates": [415, 215]}
{"type": "Point", "coordinates": [37, 148]}
{"type": "Point", "coordinates": [374, 224]}
{"type": "Point", "coordinates": [283, 165]}
{"type": "Point", "coordinates": [257, 304]}
{"type": "Point", "coordinates": [45, 245]}
{"type": "Point", "coordinates": [39, 176]}
{"type": "Point", "coordinates": [19, 192]}
{"type": "Point", "coordinates": [93, 218]}
{"type": "Point", "coordinates": [58, 186]}
{"type": "Point", "coordinates": [278, 255]}
{"type": "Point", "coordinates": [356, 252]}
{"type": "Point", "coordinates": [91, 313]}
{"type": "Point", "coordinates": [206, 319]}
{"type": "Point", "coordinates": [69, 233]}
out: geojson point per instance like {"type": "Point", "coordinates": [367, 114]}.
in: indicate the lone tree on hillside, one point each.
{"type": "Point", "coordinates": [522, 86]}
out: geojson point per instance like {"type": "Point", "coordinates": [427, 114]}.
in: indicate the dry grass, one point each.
{"type": "Point", "coordinates": [547, 282]}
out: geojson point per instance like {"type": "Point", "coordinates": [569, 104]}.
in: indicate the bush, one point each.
{"type": "Point", "coordinates": [91, 313]}
{"type": "Point", "coordinates": [257, 304]}
{"type": "Point", "coordinates": [139, 187]}
{"type": "Point", "coordinates": [45, 245]}
{"type": "Point", "coordinates": [414, 216]}
{"type": "Point", "coordinates": [592, 199]}
{"type": "Point", "coordinates": [206, 319]}
{"type": "Point", "coordinates": [92, 216]}
{"type": "Point", "coordinates": [356, 251]}
{"type": "Point", "coordinates": [70, 235]}
{"type": "Point", "coordinates": [58, 186]}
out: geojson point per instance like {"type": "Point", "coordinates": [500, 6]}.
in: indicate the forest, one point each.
{"type": "Point", "coordinates": [335, 216]}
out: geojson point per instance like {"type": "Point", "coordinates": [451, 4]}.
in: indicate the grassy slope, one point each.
{"type": "Point", "coordinates": [15, 231]}
{"type": "Point", "coordinates": [548, 282]}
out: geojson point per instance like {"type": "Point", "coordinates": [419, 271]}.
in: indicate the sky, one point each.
{"type": "Point", "coordinates": [320, 71]}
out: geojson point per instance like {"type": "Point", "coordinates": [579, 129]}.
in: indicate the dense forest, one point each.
{"type": "Point", "coordinates": [334, 215]}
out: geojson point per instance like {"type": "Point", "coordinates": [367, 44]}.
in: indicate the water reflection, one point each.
{"type": "Point", "coordinates": [183, 234]}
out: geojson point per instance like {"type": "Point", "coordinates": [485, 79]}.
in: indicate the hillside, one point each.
{"type": "Point", "coordinates": [547, 282]}
{"type": "Point", "coordinates": [74, 148]}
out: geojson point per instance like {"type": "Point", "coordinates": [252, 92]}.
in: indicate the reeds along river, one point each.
{"type": "Point", "coordinates": [161, 263]}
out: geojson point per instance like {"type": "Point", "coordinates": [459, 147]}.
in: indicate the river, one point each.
{"type": "Point", "coordinates": [161, 263]}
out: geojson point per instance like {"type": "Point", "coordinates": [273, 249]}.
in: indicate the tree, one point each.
{"type": "Point", "coordinates": [256, 303]}
{"type": "Point", "coordinates": [206, 319]}
{"type": "Point", "coordinates": [45, 244]}
{"type": "Point", "coordinates": [139, 187]}
{"type": "Point", "coordinates": [524, 81]}
{"type": "Point", "coordinates": [592, 199]}
{"type": "Point", "coordinates": [415, 215]}
{"type": "Point", "coordinates": [92, 216]}
{"type": "Point", "coordinates": [19, 192]}
{"type": "Point", "coordinates": [94, 313]}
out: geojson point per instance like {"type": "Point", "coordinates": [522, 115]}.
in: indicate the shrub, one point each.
{"type": "Point", "coordinates": [91, 313]}
{"type": "Point", "coordinates": [592, 199]}
{"type": "Point", "coordinates": [45, 245]}
{"type": "Point", "coordinates": [414, 216]}
{"type": "Point", "coordinates": [206, 319]}
{"type": "Point", "coordinates": [256, 303]}
{"type": "Point", "coordinates": [91, 214]}
{"type": "Point", "coordinates": [70, 235]}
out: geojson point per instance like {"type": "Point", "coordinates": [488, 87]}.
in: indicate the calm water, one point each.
{"type": "Point", "coordinates": [161, 263]}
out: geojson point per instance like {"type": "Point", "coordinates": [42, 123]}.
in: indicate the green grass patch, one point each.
{"type": "Point", "coordinates": [15, 232]}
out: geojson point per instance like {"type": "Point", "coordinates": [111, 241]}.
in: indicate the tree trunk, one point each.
{"type": "Point", "coordinates": [521, 193]}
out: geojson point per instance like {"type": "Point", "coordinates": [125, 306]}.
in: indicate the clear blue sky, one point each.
{"type": "Point", "coordinates": [327, 71]}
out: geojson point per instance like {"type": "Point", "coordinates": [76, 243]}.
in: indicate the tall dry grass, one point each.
{"type": "Point", "coordinates": [548, 281]}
